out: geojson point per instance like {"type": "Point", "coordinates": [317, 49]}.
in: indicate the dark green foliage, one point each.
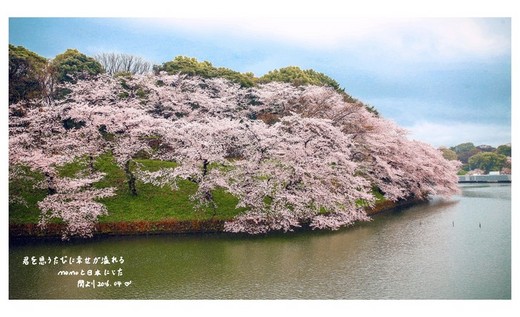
{"type": "Point", "coordinates": [141, 93]}
{"type": "Point", "coordinates": [463, 147]}
{"type": "Point", "coordinates": [131, 91]}
{"type": "Point", "coordinates": [32, 76]}
{"type": "Point", "coordinates": [72, 124]}
{"type": "Point", "coordinates": [299, 77]}
{"type": "Point", "coordinates": [292, 74]}
{"type": "Point", "coordinates": [482, 157]}
{"type": "Point", "coordinates": [296, 76]}
{"type": "Point", "coordinates": [125, 85]}
{"type": "Point", "coordinates": [191, 66]}
{"type": "Point", "coordinates": [372, 109]}
{"type": "Point", "coordinates": [504, 150]}
{"type": "Point", "coordinates": [449, 154]}
{"type": "Point", "coordinates": [72, 65]}
{"type": "Point", "coordinates": [26, 74]}
{"type": "Point", "coordinates": [160, 83]}
{"type": "Point", "coordinates": [188, 66]}
{"type": "Point", "coordinates": [487, 161]}
{"type": "Point", "coordinates": [465, 151]}
{"type": "Point", "coordinates": [61, 93]}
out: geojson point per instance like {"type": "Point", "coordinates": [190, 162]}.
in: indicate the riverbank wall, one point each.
{"type": "Point", "coordinates": [485, 179]}
{"type": "Point", "coordinates": [168, 226]}
{"type": "Point", "coordinates": [123, 228]}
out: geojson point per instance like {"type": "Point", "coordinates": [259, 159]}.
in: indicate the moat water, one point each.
{"type": "Point", "coordinates": [456, 249]}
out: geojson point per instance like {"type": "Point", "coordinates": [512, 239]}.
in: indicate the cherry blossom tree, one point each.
{"type": "Point", "coordinates": [123, 125]}
{"type": "Point", "coordinates": [291, 173]}
{"type": "Point", "coordinates": [301, 175]}
{"type": "Point", "coordinates": [384, 155]}
{"type": "Point", "coordinates": [40, 139]}
{"type": "Point", "coordinates": [292, 156]}
{"type": "Point", "coordinates": [75, 203]}
{"type": "Point", "coordinates": [198, 147]}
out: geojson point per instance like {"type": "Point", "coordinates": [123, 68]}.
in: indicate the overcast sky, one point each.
{"type": "Point", "coordinates": [446, 80]}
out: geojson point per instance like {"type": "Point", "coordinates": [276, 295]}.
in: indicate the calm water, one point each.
{"type": "Point", "coordinates": [459, 249]}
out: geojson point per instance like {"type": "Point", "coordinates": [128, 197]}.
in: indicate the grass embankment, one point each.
{"type": "Point", "coordinates": [154, 209]}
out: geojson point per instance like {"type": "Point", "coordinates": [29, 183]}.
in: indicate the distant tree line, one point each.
{"type": "Point", "coordinates": [481, 158]}
{"type": "Point", "coordinates": [34, 77]}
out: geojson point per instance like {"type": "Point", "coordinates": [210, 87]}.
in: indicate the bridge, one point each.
{"type": "Point", "coordinates": [485, 179]}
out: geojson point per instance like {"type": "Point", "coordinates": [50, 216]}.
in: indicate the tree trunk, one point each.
{"type": "Point", "coordinates": [209, 198]}
{"type": "Point", "coordinates": [51, 187]}
{"type": "Point", "coordinates": [91, 164]}
{"type": "Point", "coordinates": [205, 164]}
{"type": "Point", "coordinates": [131, 179]}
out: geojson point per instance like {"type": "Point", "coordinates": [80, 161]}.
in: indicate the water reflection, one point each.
{"type": "Point", "coordinates": [455, 249]}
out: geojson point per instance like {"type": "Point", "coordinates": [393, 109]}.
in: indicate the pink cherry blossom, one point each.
{"type": "Point", "coordinates": [292, 156]}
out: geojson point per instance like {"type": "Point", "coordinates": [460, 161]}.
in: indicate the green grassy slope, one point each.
{"type": "Point", "coordinates": [151, 204]}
